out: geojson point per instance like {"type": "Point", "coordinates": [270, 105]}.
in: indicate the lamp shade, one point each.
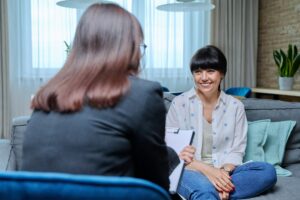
{"type": "Point", "coordinates": [79, 4]}
{"type": "Point", "coordinates": [186, 6]}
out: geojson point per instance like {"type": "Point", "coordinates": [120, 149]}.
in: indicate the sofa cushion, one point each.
{"type": "Point", "coordinates": [278, 133]}
{"type": "Point", "coordinates": [256, 138]}
{"type": "Point", "coordinates": [257, 109]}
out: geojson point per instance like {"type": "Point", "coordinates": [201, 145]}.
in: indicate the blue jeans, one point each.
{"type": "Point", "coordinates": [249, 179]}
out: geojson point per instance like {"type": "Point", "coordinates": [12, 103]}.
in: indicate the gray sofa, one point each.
{"type": "Point", "coordinates": [256, 109]}
{"type": "Point", "coordinates": [286, 187]}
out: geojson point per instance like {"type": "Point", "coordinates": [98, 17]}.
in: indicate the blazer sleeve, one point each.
{"type": "Point", "coordinates": [149, 147]}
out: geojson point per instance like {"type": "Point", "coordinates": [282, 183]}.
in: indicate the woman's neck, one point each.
{"type": "Point", "coordinates": [209, 99]}
{"type": "Point", "coordinates": [209, 103]}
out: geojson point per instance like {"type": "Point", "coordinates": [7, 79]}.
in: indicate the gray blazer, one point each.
{"type": "Point", "coordinates": [124, 140]}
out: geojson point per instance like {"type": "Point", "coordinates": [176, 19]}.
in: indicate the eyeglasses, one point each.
{"type": "Point", "coordinates": [143, 48]}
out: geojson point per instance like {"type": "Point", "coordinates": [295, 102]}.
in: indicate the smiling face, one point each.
{"type": "Point", "coordinates": [208, 66]}
{"type": "Point", "coordinates": [207, 81]}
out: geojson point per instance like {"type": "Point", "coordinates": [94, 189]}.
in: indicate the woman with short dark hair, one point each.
{"type": "Point", "coordinates": [95, 116]}
{"type": "Point", "coordinates": [215, 168]}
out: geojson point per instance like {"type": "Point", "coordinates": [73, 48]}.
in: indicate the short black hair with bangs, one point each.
{"type": "Point", "coordinates": [209, 57]}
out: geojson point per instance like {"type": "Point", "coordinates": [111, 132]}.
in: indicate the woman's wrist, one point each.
{"type": "Point", "coordinates": [228, 168]}
{"type": "Point", "coordinates": [199, 166]}
{"type": "Point", "coordinates": [191, 165]}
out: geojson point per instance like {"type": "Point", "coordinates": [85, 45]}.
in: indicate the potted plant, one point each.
{"type": "Point", "coordinates": [288, 64]}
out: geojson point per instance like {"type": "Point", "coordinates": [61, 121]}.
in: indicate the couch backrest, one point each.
{"type": "Point", "coordinates": [257, 109]}
{"type": "Point", "coordinates": [276, 110]}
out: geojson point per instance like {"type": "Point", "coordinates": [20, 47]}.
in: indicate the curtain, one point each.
{"type": "Point", "coordinates": [38, 29]}
{"type": "Point", "coordinates": [172, 39]}
{"type": "Point", "coordinates": [235, 32]}
{"type": "Point", "coordinates": [4, 73]}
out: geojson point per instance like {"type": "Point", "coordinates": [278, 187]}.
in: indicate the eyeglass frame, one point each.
{"type": "Point", "coordinates": [143, 48]}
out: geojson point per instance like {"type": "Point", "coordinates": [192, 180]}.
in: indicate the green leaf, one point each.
{"type": "Point", "coordinates": [290, 52]}
{"type": "Point", "coordinates": [276, 56]}
{"type": "Point", "coordinates": [295, 52]}
{"type": "Point", "coordinates": [288, 63]}
{"type": "Point", "coordinates": [296, 65]}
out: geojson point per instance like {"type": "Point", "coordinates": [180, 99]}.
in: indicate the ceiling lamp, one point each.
{"type": "Point", "coordinates": [79, 4]}
{"type": "Point", "coordinates": [186, 6]}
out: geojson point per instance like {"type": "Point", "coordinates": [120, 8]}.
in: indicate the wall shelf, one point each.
{"type": "Point", "coordinates": [289, 95]}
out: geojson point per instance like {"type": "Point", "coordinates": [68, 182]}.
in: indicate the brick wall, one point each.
{"type": "Point", "coordinates": [279, 25]}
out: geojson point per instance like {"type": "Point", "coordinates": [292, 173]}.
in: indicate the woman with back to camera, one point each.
{"type": "Point", "coordinates": [214, 161]}
{"type": "Point", "coordinates": [95, 116]}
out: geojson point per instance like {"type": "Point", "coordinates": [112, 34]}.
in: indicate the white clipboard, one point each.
{"type": "Point", "coordinates": [177, 139]}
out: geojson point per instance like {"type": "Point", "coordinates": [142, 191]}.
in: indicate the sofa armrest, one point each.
{"type": "Point", "coordinates": [9, 149]}
{"type": "Point", "coordinates": [20, 121]}
{"type": "Point", "coordinates": [18, 127]}
{"type": "Point", "coordinates": [7, 161]}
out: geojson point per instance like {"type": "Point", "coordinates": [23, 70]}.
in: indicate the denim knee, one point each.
{"type": "Point", "coordinates": [195, 185]}
{"type": "Point", "coordinates": [205, 191]}
{"type": "Point", "coordinates": [252, 179]}
{"type": "Point", "coordinates": [204, 195]}
{"type": "Point", "coordinates": [271, 177]}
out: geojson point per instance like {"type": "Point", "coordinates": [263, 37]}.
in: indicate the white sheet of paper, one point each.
{"type": "Point", "coordinates": [177, 139]}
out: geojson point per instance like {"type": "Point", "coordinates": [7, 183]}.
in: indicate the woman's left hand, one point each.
{"type": "Point", "coordinates": [220, 179]}
{"type": "Point", "coordinates": [187, 154]}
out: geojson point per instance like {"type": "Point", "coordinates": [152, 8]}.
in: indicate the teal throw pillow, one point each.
{"type": "Point", "coordinates": [256, 138]}
{"type": "Point", "coordinates": [278, 134]}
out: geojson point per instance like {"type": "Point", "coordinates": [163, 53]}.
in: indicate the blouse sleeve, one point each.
{"type": "Point", "coordinates": [236, 154]}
